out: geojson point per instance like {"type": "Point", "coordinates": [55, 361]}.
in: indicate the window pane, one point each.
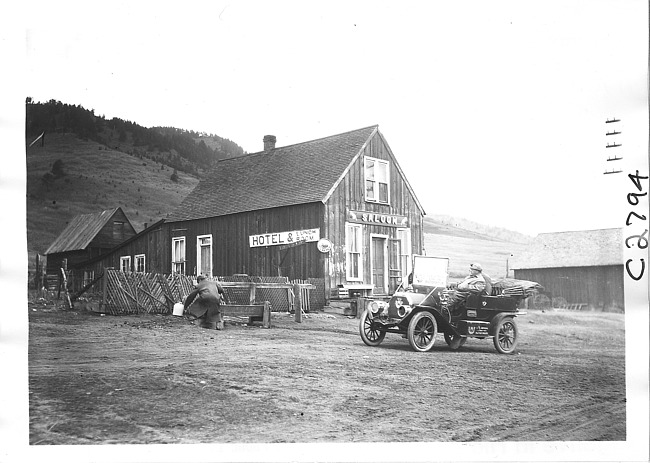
{"type": "Point", "coordinates": [383, 193]}
{"type": "Point", "coordinates": [382, 172]}
{"type": "Point", "coordinates": [370, 189]}
{"type": "Point", "coordinates": [370, 169]}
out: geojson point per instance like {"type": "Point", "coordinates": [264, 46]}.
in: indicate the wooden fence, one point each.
{"type": "Point", "coordinates": [133, 293]}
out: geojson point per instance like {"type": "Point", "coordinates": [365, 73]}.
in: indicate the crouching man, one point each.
{"type": "Point", "coordinates": [204, 303]}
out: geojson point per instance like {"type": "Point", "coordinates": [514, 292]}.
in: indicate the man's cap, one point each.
{"type": "Point", "coordinates": [201, 278]}
{"type": "Point", "coordinates": [476, 267]}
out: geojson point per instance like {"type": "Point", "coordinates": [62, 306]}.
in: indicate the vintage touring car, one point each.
{"type": "Point", "coordinates": [424, 309]}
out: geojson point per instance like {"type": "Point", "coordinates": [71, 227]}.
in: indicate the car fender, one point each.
{"type": "Point", "coordinates": [443, 323]}
{"type": "Point", "coordinates": [497, 318]}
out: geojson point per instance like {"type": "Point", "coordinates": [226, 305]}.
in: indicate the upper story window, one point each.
{"type": "Point", "coordinates": [118, 230]}
{"type": "Point", "coordinates": [377, 180]}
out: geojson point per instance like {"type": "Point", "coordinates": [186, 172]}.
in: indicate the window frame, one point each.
{"type": "Point", "coordinates": [376, 182]}
{"type": "Point", "coordinates": [183, 259]}
{"type": "Point", "coordinates": [137, 258]}
{"type": "Point", "coordinates": [198, 253]}
{"type": "Point", "coordinates": [355, 228]}
{"type": "Point", "coordinates": [126, 259]}
{"type": "Point", "coordinates": [405, 256]}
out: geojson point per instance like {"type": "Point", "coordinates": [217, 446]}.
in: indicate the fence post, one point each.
{"type": "Point", "coordinates": [37, 275]}
{"type": "Point", "coordinates": [297, 302]}
{"type": "Point", "coordinates": [104, 290]}
{"type": "Point", "coordinates": [266, 319]}
{"type": "Point", "coordinates": [251, 293]}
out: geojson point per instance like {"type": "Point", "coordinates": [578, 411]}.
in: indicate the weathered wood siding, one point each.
{"type": "Point", "coordinates": [601, 288]}
{"type": "Point", "coordinates": [349, 195]}
{"type": "Point", "coordinates": [154, 244]}
{"type": "Point", "coordinates": [105, 239]}
{"type": "Point", "coordinates": [231, 253]}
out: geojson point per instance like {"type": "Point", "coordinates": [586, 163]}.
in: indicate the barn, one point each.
{"type": "Point", "coordinates": [337, 208]}
{"type": "Point", "coordinates": [583, 268]}
{"type": "Point", "coordinates": [88, 236]}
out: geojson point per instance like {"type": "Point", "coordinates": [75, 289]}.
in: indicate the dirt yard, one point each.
{"type": "Point", "coordinates": [159, 379]}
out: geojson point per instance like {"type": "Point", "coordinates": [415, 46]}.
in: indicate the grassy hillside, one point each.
{"type": "Point", "coordinates": [95, 178]}
{"type": "Point", "coordinates": [493, 255]}
{"type": "Point", "coordinates": [464, 242]}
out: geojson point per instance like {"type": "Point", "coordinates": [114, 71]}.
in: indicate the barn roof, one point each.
{"type": "Point", "coordinates": [296, 174]}
{"type": "Point", "coordinates": [585, 248]}
{"type": "Point", "coordinates": [80, 232]}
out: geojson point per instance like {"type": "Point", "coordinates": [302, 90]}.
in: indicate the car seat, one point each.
{"type": "Point", "coordinates": [488, 284]}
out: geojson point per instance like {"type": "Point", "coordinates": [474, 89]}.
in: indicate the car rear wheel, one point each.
{"type": "Point", "coordinates": [369, 332]}
{"type": "Point", "coordinates": [454, 341]}
{"type": "Point", "coordinates": [505, 336]}
{"type": "Point", "coordinates": [422, 331]}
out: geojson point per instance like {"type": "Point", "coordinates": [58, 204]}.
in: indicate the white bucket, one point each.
{"type": "Point", "coordinates": [178, 309]}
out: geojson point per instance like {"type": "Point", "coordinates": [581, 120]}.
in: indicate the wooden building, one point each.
{"type": "Point", "coordinates": [583, 267]}
{"type": "Point", "coordinates": [88, 236]}
{"type": "Point", "coordinates": [337, 208]}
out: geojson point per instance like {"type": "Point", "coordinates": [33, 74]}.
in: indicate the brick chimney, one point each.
{"type": "Point", "coordinates": [269, 142]}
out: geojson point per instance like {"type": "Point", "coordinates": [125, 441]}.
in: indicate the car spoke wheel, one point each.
{"type": "Point", "coordinates": [369, 332]}
{"type": "Point", "coordinates": [422, 331]}
{"type": "Point", "coordinates": [505, 336]}
{"type": "Point", "coordinates": [454, 341]}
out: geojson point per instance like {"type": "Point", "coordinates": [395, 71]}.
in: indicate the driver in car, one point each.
{"type": "Point", "coordinates": [474, 283]}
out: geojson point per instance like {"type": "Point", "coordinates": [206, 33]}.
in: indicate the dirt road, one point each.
{"type": "Point", "coordinates": [160, 379]}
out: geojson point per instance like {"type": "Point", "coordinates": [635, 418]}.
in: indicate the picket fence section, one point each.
{"type": "Point", "coordinates": [152, 293]}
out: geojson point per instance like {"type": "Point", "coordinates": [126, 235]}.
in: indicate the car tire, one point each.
{"type": "Point", "coordinates": [506, 335]}
{"type": "Point", "coordinates": [422, 331]}
{"type": "Point", "coordinates": [369, 334]}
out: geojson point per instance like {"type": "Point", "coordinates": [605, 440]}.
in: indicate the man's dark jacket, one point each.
{"type": "Point", "coordinates": [205, 301]}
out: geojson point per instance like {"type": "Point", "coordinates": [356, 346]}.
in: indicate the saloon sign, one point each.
{"type": "Point", "coordinates": [280, 238]}
{"type": "Point", "coordinates": [378, 219]}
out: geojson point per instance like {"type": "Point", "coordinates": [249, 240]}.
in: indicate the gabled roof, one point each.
{"type": "Point", "coordinates": [81, 231]}
{"type": "Point", "coordinates": [296, 174]}
{"type": "Point", "coordinates": [586, 248]}
{"type": "Point", "coordinates": [104, 255]}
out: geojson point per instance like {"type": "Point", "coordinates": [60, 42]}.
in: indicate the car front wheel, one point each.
{"type": "Point", "coordinates": [422, 331]}
{"type": "Point", "coordinates": [370, 335]}
{"type": "Point", "coordinates": [505, 336]}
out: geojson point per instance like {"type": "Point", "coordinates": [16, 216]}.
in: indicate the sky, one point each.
{"type": "Point", "coordinates": [494, 110]}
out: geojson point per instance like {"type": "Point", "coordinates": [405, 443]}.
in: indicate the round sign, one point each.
{"type": "Point", "coordinates": [324, 245]}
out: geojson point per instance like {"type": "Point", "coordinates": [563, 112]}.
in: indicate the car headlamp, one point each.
{"type": "Point", "coordinates": [403, 310]}
{"type": "Point", "coordinates": [373, 307]}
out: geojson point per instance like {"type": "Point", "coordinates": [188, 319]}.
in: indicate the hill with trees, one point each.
{"type": "Point", "coordinates": [184, 150]}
